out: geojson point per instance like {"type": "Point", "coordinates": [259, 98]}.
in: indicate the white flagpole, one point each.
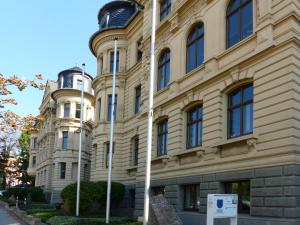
{"type": "Point", "coordinates": [80, 143]}
{"type": "Point", "coordinates": [112, 118]}
{"type": "Point", "coordinates": [150, 116]}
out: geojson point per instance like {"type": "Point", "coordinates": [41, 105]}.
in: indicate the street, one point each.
{"type": "Point", "coordinates": [7, 219]}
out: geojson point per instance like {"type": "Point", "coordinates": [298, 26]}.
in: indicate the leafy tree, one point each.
{"type": "Point", "coordinates": [11, 122]}
{"type": "Point", "coordinates": [23, 157]}
{"type": "Point", "coordinates": [9, 119]}
{"type": "Point", "coordinates": [8, 145]}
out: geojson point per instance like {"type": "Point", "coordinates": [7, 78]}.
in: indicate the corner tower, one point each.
{"type": "Point", "coordinates": [67, 98]}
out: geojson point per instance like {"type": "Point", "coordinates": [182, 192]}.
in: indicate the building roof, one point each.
{"type": "Point", "coordinates": [75, 69]}
{"type": "Point", "coordinates": [115, 15]}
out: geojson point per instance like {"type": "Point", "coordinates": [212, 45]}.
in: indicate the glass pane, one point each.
{"type": "Point", "coordinates": [199, 110]}
{"type": "Point", "coordinates": [159, 145]}
{"type": "Point", "coordinates": [188, 198]}
{"type": "Point", "coordinates": [235, 98]}
{"type": "Point", "coordinates": [165, 126]}
{"type": "Point", "coordinates": [191, 57]}
{"type": "Point", "coordinates": [192, 36]}
{"type": "Point", "coordinates": [233, 29]}
{"type": "Point", "coordinates": [200, 51]}
{"type": "Point", "coordinates": [200, 30]}
{"type": "Point", "coordinates": [248, 93]}
{"type": "Point", "coordinates": [247, 20]}
{"type": "Point", "coordinates": [248, 118]}
{"type": "Point", "coordinates": [165, 144]}
{"type": "Point", "coordinates": [199, 133]}
{"type": "Point", "coordinates": [234, 4]}
{"type": "Point", "coordinates": [167, 75]}
{"type": "Point", "coordinates": [194, 115]}
{"type": "Point", "coordinates": [245, 195]}
{"type": "Point", "coordinates": [193, 134]}
{"type": "Point", "coordinates": [235, 122]}
{"type": "Point", "coordinates": [160, 79]}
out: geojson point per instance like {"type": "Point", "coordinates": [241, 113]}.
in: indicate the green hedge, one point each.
{"type": "Point", "coordinates": [92, 196]}
{"type": "Point", "coordinates": [45, 215]}
{"type": "Point", "coordinates": [68, 220]}
{"type": "Point", "coordinates": [36, 193]}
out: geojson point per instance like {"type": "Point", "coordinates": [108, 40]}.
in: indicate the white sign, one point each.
{"type": "Point", "coordinates": [222, 206]}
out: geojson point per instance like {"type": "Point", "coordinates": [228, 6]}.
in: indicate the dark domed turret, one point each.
{"type": "Point", "coordinates": [116, 14]}
{"type": "Point", "coordinates": [72, 78]}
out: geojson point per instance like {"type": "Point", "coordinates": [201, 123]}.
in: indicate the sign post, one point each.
{"type": "Point", "coordinates": [222, 206]}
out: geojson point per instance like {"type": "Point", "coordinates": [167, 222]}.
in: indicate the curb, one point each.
{"type": "Point", "coordinates": [22, 215]}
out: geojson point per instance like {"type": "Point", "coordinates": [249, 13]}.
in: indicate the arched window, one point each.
{"type": "Point", "coordinates": [163, 70]}
{"type": "Point", "coordinates": [239, 21]}
{"type": "Point", "coordinates": [195, 47]}
{"type": "Point", "coordinates": [240, 111]}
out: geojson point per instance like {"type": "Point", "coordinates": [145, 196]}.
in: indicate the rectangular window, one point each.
{"type": "Point", "coordinates": [139, 54]}
{"type": "Point", "coordinates": [136, 151]}
{"type": "Point", "coordinates": [165, 8]}
{"type": "Point", "coordinates": [35, 142]}
{"type": "Point", "coordinates": [137, 106]}
{"type": "Point", "coordinates": [240, 111]}
{"type": "Point", "coordinates": [159, 190]}
{"type": "Point", "coordinates": [107, 154]}
{"type": "Point", "coordinates": [112, 62]}
{"type": "Point", "coordinates": [162, 138]}
{"type": "Point", "coordinates": [131, 202]}
{"type": "Point", "coordinates": [65, 136]}
{"type": "Point", "coordinates": [77, 112]}
{"type": "Point", "coordinates": [62, 170]}
{"type": "Point", "coordinates": [109, 108]}
{"type": "Point", "coordinates": [194, 127]}
{"type": "Point", "coordinates": [67, 110]}
{"type": "Point", "coordinates": [33, 161]}
{"type": "Point", "coordinates": [191, 195]}
{"type": "Point", "coordinates": [242, 189]}
{"type": "Point", "coordinates": [79, 84]}
{"type": "Point", "coordinates": [99, 108]}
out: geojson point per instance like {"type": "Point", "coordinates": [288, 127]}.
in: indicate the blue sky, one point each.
{"type": "Point", "coordinates": [45, 37]}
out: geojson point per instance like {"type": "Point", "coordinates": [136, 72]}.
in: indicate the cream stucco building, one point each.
{"type": "Point", "coordinates": [54, 148]}
{"type": "Point", "coordinates": [226, 105]}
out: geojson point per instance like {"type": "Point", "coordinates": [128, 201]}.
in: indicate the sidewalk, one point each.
{"type": "Point", "coordinates": [7, 219]}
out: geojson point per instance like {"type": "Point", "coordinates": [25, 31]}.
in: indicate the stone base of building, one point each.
{"type": "Point", "coordinates": [55, 197]}
{"type": "Point", "coordinates": [200, 219]}
{"type": "Point", "coordinates": [274, 194]}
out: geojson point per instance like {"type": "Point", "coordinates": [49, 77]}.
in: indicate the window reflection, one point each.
{"type": "Point", "coordinates": [195, 47]}
{"type": "Point", "coordinates": [239, 21]}
{"type": "Point", "coordinates": [240, 111]}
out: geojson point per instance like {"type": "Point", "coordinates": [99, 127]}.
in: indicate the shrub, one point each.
{"type": "Point", "coordinates": [68, 220]}
{"type": "Point", "coordinates": [45, 215]}
{"type": "Point", "coordinates": [35, 193]}
{"type": "Point", "coordinates": [117, 193]}
{"type": "Point", "coordinates": [88, 194]}
{"type": "Point", "coordinates": [92, 196]}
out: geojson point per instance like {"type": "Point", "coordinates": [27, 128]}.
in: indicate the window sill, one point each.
{"type": "Point", "coordinates": [250, 140]}
{"type": "Point", "coordinates": [237, 45]}
{"type": "Point", "coordinates": [132, 169]}
{"type": "Point", "coordinates": [160, 159]}
{"type": "Point", "coordinates": [192, 72]}
{"type": "Point", "coordinates": [195, 151]}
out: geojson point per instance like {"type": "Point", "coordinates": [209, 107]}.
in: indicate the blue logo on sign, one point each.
{"type": "Point", "coordinates": [220, 203]}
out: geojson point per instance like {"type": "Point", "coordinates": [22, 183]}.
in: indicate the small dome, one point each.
{"type": "Point", "coordinates": [116, 14]}
{"type": "Point", "coordinates": [72, 78]}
